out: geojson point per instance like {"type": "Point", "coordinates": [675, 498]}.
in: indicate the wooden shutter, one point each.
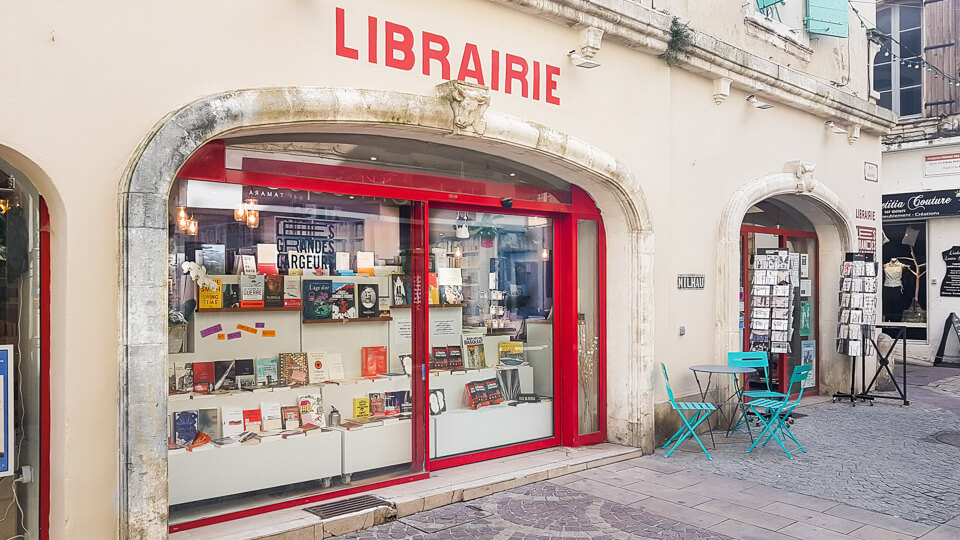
{"type": "Point", "coordinates": [827, 18]}
{"type": "Point", "coordinates": [941, 30]}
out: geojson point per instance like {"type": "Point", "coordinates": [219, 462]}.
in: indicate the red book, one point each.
{"type": "Point", "coordinates": [472, 394]}
{"type": "Point", "coordinates": [251, 420]}
{"type": "Point", "coordinates": [203, 376]}
{"type": "Point", "coordinates": [374, 361]}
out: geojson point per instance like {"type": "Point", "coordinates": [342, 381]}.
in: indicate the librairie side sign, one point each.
{"type": "Point", "coordinates": [925, 204]}
{"type": "Point", "coordinates": [397, 46]}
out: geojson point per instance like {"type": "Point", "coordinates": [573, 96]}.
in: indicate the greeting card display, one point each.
{"type": "Point", "coordinates": [858, 303]}
{"type": "Point", "coordinates": [773, 291]}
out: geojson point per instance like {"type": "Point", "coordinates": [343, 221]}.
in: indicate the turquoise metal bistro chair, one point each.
{"type": "Point", "coordinates": [775, 423]}
{"type": "Point", "coordinates": [701, 412]}
{"type": "Point", "coordinates": [756, 360]}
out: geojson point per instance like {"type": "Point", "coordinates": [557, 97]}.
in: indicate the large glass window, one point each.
{"type": "Point", "coordinates": [897, 68]}
{"type": "Point", "coordinates": [905, 278]}
{"type": "Point", "coordinates": [290, 348]}
{"type": "Point", "coordinates": [491, 330]}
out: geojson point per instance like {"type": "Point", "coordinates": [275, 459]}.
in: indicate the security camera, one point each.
{"type": "Point", "coordinates": [581, 61]}
{"type": "Point", "coordinates": [506, 203]}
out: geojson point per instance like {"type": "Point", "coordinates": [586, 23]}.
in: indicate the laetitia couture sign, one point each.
{"type": "Point", "coordinates": [925, 204]}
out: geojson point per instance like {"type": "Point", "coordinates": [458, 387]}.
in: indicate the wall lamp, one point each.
{"type": "Point", "coordinates": [834, 127]}
{"type": "Point", "coordinates": [581, 61]}
{"type": "Point", "coordinates": [762, 105]}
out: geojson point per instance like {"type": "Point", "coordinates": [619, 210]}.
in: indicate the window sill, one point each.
{"type": "Point", "coordinates": [779, 35]}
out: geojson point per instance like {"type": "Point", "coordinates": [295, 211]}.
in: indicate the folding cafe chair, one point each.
{"type": "Point", "coordinates": [700, 413]}
{"type": "Point", "coordinates": [775, 422]}
{"type": "Point", "coordinates": [751, 360]}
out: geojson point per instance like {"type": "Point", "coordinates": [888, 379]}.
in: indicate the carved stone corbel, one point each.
{"type": "Point", "coordinates": [853, 133]}
{"type": "Point", "coordinates": [590, 38]}
{"type": "Point", "coordinates": [803, 172]}
{"type": "Point", "coordinates": [721, 89]}
{"type": "Point", "coordinates": [469, 103]}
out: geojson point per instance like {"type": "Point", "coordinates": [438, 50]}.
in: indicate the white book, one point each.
{"type": "Point", "coordinates": [270, 417]}
{"type": "Point", "coordinates": [317, 364]}
{"type": "Point", "coordinates": [334, 365]}
{"type": "Point", "coordinates": [232, 420]}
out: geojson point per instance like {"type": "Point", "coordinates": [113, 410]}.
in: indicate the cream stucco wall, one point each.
{"type": "Point", "coordinates": [88, 81]}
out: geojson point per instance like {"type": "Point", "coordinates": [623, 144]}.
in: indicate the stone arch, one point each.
{"type": "Point", "coordinates": [834, 224]}
{"type": "Point", "coordinates": [153, 167]}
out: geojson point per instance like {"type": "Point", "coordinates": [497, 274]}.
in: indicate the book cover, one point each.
{"type": "Point", "coordinates": [267, 259]}
{"type": "Point", "coordinates": [311, 410]}
{"type": "Point", "coordinates": [251, 420]}
{"type": "Point", "coordinates": [249, 265]}
{"type": "Point", "coordinates": [393, 401]}
{"type": "Point", "coordinates": [316, 298]}
{"type": "Point", "coordinates": [225, 375]}
{"type": "Point", "coordinates": [204, 376]}
{"type": "Point", "coordinates": [267, 372]}
{"type": "Point", "coordinates": [246, 372]}
{"type": "Point", "coordinates": [231, 420]}
{"type": "Point", "coordinates": [231, 295]}
{"type": "Point", "coordinates": [334, 366]}
{"type": "Point", "coordinates": [473, 355]}
{"type": "Point", "coordinates": [273, 291]}
{"type": "Point", "coordinates": [365, 262]}
{"type": "Point", "coordinates": [437, 401]}
{"type": "Point", "coordinates": [342, 302]}
{"type": "Point", "coordinates": [292, 296]}
{"type": "Point", "coordinates": [433, 290]}
{"type": "Point", "coordinates": [361, 407]}
{"type": "Point", "coordinates": [183, 376]}
{"type": "Point", "coordinates": [291, 416]}
{"type": "Point", "coordinates": [317, 368]}
{"type": "Point", "coordinates": [400, 290]}
{"type": "Point", "coordinates": [377, 404]}
{"type": "Point", "coordinates": [211, 298]}
{"type": "Point", "coordinates": [494, 395]}
{"type": "Point", "coordinates": [368, 300]}
{"type": "Point", "coordinates": [293, 368]}
{"type": "Point", "coordinates": [373, 361]}
{"type": "Point", "coordinates": [511, 352]}
{"type": "Point", "coordinates": [214, 259]}
{"type": "Point", "coordinates": [271, 417]}
{"type": "Point", "coordinates": [251, 291]}
{"type": "Point", "coordinates": [470, 391]}
{"type": "Point", "coordinates": [184, 427]}
{"type": "Point", "coordinates": [480, 387]}
{"type": "Point", "coordinates": [454, 357]}
{"type": "Point", "coordinates": [438, 360]}
{"type": "Point", "coordinates": [208, 421]}
{"type": "Point", "coordinates": [406, 362]}
{"type": "Point", "coordinates": [451, 294]}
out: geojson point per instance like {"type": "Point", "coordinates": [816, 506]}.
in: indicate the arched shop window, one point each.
{"type": "Point", "coordinates": [21, 340]}
{"type": "Point", "coordinates": [359, 311]}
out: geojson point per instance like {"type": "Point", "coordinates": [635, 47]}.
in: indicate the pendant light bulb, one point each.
{"type": "Point", "coordinates": [545, 254]}
{"type": "Point", "coordinates": [240, 212]}
{"type": "Point", "coordinates": [182, 223]}
{"type": "Point", "coordinates": [192, 227]}
{"type": "Point", "coordinates": [253, 219]}
{"type": "Point", "coordinates": [181, 212]}
{"type": "Point", "coordinates": [458, 252]}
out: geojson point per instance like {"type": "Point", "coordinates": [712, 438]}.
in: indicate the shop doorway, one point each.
{"type": "Point", "coordinates": [780, 292]}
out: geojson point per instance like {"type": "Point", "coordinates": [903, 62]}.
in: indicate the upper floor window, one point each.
{"type": "Point", "coordinates": [897, 68]}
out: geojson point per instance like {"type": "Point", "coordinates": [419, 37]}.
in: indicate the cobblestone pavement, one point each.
{"type": "Point", "coordinates": [540, 511]}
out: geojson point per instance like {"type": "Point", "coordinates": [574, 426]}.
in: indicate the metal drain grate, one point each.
{"type": "Point", "coordinates": [347, 506]}
{"type": "Point", "coordinates": [948, 437]}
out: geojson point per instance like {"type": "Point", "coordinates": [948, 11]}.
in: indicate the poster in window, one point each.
{"type": "Point", "coordinates": [806, 318]}
{"type": "Point", "coordinates": [808, 356]}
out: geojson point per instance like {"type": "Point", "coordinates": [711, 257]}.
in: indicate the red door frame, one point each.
{"type": "Point", "coordinates": [44, 472]}
{"type": "Point", "coordinates": [782, 235]}
{"type": "Point", "coordinates": [208, 164]}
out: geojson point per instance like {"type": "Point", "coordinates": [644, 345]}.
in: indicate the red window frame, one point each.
{"type": "Point", "coordinates": [782, 235]}
{"type": "Point", "coordinates": [208, 163]}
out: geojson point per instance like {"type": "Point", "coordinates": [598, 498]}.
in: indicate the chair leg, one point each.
{"type": "Point", "coordinates": [784, 428]}
{"type": "Point", "coordinates": [768, 426]}
{"type": "Point", "coordinates": [689, 429]}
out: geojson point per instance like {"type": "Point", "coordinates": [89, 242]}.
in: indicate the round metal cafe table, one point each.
{"type": "Point", "coordinates": [735, 399]}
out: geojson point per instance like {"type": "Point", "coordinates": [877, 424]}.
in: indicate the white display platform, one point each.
{"type": "Point", "coordinates": [460, 431]}
{"type": "Point", "coordinates": [242, 399]}
{"type": "Point", "coordinates": [454, 389]}
{"type": "Point", "coordinates": [377, 446]}
{"type": "Point", "coordinates": [194, 476]}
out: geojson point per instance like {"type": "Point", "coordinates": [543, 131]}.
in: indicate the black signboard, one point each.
{"type": "Point", "coordinates": [953, 322]}
{"type": "Point", "coordinates": [926, 204]}
{"type": "Point", "coordinates": [950, 286]}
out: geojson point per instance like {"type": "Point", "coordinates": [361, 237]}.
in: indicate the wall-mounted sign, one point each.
{"type": "Point", "coordinates": [941, 164]}
{"type": "Point", "coordinates": [867, 239]}
{"type": "Point", "coordinates": [950, 286]}
{"type": "Point", "coordinates": [869, 215]}
{"type": "Point", "coordinates": [871, 173]}
{"type": "Point", "coordinates": [691, 281]}
{"type": "Point", "coordinates": [926, 204]}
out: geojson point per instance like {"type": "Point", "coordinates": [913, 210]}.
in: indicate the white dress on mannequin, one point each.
{"type": "Point", "coordinates": [893, 274]}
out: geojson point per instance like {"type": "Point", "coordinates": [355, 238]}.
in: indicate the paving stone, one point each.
{"type": "Point", "coordinates": [746, 515]}
{"type": "Point", "coordinates": [805, 531]}
{"type": "Point", "coordinates": [668, 494]}
{"type": "Point", "coordinates": [605, 491]}
{"type": "Point", "coordinates": [659, 465]}
{"type": "Point", "coordinates": [811, 517]}
{"type": "Point", "coordinates": [679, 512]}
{"type": "Point", "coordinates": [867, 517]}
{"type": "Point", "coordinates": [869, 532]}
{"type": "Point", "coordinates": [746, 531]}
{"type": "Point", "coordinates": [943, 532]}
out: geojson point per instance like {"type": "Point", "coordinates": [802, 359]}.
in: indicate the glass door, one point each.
{"type": "Point", "coordinates": [490, 331]}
